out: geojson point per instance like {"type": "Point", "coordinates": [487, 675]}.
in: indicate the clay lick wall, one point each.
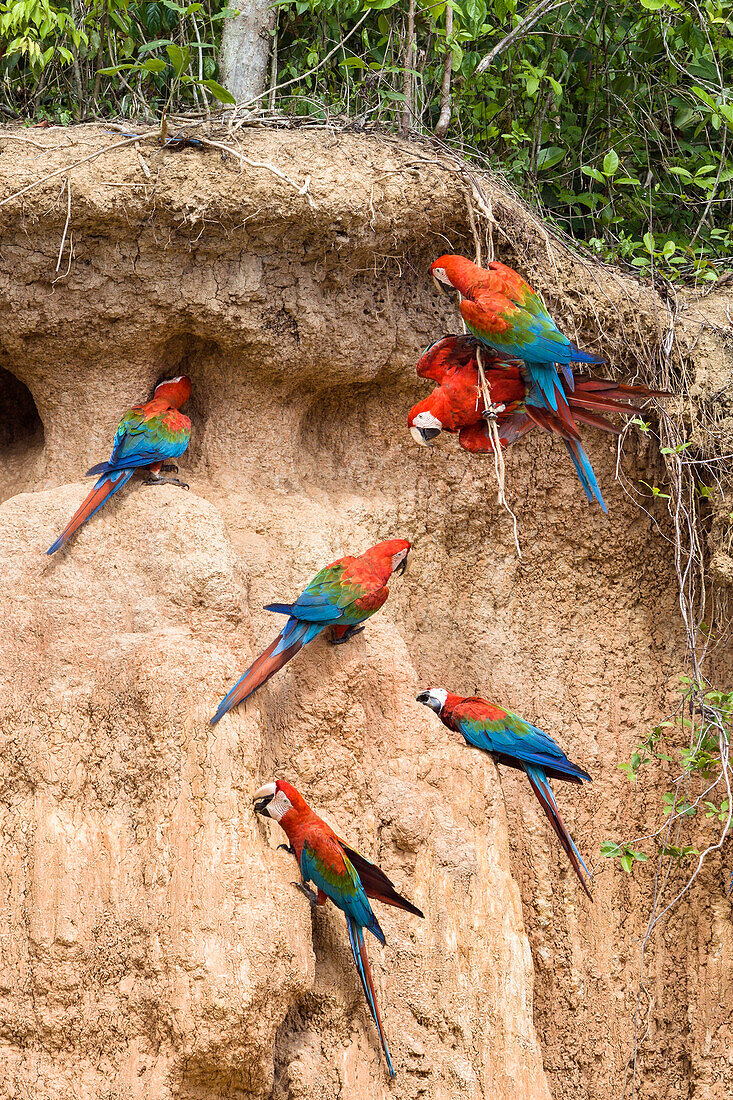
{"type": "Point", "coordinates": [151, 942]}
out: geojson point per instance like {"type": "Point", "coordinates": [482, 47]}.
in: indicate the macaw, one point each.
{"type": "Point", "coordinates": [147, 435]}
{"type": "Point", "coordinates": [457, 404]}
{"type": "Point", "coordinates": [342, 596]}
{"type": "Point", "coordinates": [518, 744]}
{"type": "Point", "coordinates": [339, 873]}
{"type": "Point", "coordinates": [503, 312]}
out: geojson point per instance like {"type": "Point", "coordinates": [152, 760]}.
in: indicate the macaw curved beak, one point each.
{"type": "Point", "coordinates": [424, 435]}
{"type": "Point", "coordinates": [263, 797]}
{"type": "Point", "coordinates": [441, 286]}
{"type": "Point", "coordinates": [401, 567]}
{"type": "Point", "coordinates": [423, 697]}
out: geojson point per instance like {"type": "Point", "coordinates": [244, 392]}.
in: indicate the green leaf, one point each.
{"type": "Point", "coordinates": [151, 47]}
{"type": "Point", "coordinates": [180, 58]}
{"type": "Point", "coordinates": [116, 69]}
{"type": "Point", "coordinates": [218, 91]}
{"type": "Point", "coordinates": [549, 156]}
{"type": "Point", "coordinates": [593, 173]}
{"type": "Point", "coordinates": [627, 862]}
{"type": "Point", "coordinates": [153, 65]}
{"type": "Point", "coordinates": [610, 163]}
{"type": "Point", "coordinates": [703, 95]}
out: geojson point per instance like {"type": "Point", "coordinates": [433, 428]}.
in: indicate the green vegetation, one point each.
{"type": "Point", "coordinates": [613, 117]}
{"type": "Point", "coordinates": [702, 784]}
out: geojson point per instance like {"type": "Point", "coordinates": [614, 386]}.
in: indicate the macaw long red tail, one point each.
{"type": "Point", "coordinates": [356, 939]}
{"type": "Point", "coordinates": [102, 491]}
{"type": "Point", "coordinates": [291, 639]}
{"type": "Point", "coordinates": [543, 790]}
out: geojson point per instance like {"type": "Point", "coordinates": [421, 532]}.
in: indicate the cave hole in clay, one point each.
{"type": "Point", "coordinates": [186, 353]}
{"type": "Point", "coordinates": [21, 436]}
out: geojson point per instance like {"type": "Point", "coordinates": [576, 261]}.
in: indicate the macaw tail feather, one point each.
{"type": "Point", "coordinates": [577, 355]}
{"type": "Point", "coordinates": [102, 491]}
{"type": "Point", "coordinates": [358, 949]}
{"type": "Point", "coordinates": [562, 425]}
{"type": "Point", "coordinates": [545, 379]}
{"type": "Point", "coordinates": [567, 372]}
{"type": "Point", "coordinates": [584, 416]}
{"type": "Point", "coordinates": [543, 790]}
{"type": "Point", "coordinates": [291, 639]}
{"type": "Point", "coordinates": [376, 884]}
{"type": "Point", "coordinates": [280, 608]}
{"type": "Point", "coordinates": [584, 470]}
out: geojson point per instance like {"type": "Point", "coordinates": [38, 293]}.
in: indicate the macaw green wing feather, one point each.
{"type": "Point", "coordinates": [327, 594]}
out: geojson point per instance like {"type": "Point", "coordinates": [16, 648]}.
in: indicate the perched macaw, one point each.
{"type": "Point", "coordinates": [147, 435]}
{"type": "Point", "coordinates": [457, 405]}
{"type": "Point", "coordinates": [518, 744]}
{"type": "Point", "coordinates": [341, 596]}
{"type": "Point", "coordinates": [338, 873]}
{"type": "Point", "coordinates": [504, 313]}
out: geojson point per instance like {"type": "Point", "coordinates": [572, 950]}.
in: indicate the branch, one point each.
{"type": "Point", "coordinates": [445, 99]}
{"type": "Point", "coordinates": [407, 80]}
{"type": "Point", "coordinates": [543, 8]}
{"type": "Point", "coordinates": [301, 76]}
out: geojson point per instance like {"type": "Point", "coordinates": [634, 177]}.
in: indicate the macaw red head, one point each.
{"type": "Point", "coordinates": [434, 698]}
{"type": "Point", "coordinates": [393, 551]}
{"type": "Point", "coordinates": [423, 423]}
{"type": "Point", "coordinates": [176, 391]}
{"type": "Point", "coordinates": [277, 799]}
{"type": "Point", "coordinates": [454, 271]}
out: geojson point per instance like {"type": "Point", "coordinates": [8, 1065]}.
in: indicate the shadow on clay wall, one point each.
{"type": "Point", "coordinates": [21, 436]}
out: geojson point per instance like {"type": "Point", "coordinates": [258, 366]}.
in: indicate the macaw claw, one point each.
{"type": "Point", "coordinates": [155, 479]}
{"type": "Point", "coordinates": [306, 890]}
{"type": "Point", "coordinates": [347, 635]}
{"type": "Point", "coordinates": [286, 848]}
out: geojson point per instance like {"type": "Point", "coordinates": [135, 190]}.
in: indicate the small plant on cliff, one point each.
{"type": "Point", "coordinates": [701, 788]}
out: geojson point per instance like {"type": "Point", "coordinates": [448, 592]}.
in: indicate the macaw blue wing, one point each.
{"type": "Point", "coordinates": [333, 872]}
{"type": "Point", "coordinates": [326, 596]}
{"type": "Point", "coordinates": [517, 743]}
{"type": "Point", "coordinates": [141, 441]}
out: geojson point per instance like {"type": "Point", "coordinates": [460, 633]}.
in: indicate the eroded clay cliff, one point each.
{"type": "Point", "coordinates": [151, 944]}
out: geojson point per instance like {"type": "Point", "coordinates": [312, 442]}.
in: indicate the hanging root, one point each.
{"type": "Point", "coordinates": [499, 468]}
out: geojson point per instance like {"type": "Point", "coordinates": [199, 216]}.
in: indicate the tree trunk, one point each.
{"type": "Point", "coordinates": [245, 49]}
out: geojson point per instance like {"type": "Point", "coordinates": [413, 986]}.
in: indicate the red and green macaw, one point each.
{"type": "Point", "coordinates": [504, 313]}
{"type": "Point", "coordinates": [147, 435]}
{"type": "Point", "coordinates": [518, 744]}
{"type": "Point", "coordinates": [338, 873]}
{"type": "Point", "coordinates": [343, 595]}
{"type": "Point", "coordinates": [457, 404]}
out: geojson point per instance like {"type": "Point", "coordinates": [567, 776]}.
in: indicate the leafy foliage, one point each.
{"type": "Point", "coordinates": [70, 59]}
{"type": "Point", "coordinates": [613, 116]}
{"type": "Point", "coordinates": [701, 785]}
